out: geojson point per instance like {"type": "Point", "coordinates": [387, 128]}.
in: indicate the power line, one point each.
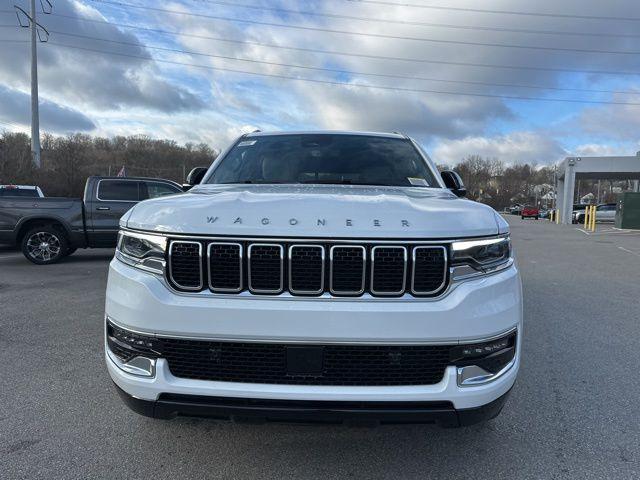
{"type": "Point", "coordinates": [348, 72]}
{"type": "Point", "coordinates": [351, 54]}
{"type": "Point", "coordinates": [347, 84]}
{"type": "Point", "coordinates": [416, 23]}
{"type": "Point", "coordinates": [501, 12]}
{"type": "Point", "coordinates": [372, 35]}
{"type": "Point", "coordinates": [14, 125]}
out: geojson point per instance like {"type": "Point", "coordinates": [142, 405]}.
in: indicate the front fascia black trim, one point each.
{"type": "Point", "coordinates": [310, 411]}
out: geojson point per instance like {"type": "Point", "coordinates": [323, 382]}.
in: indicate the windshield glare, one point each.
{"type": "Point", "coordinates": [324, 159]}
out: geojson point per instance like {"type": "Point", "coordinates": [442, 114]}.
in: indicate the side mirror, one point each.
{"type": "Point", "coordinates": [195, 176]}
{"type": "Point", "coordinates": [454, 183]}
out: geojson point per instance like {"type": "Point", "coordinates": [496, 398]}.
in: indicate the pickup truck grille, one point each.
{"type": "Point", "coordinates": [307, 269]}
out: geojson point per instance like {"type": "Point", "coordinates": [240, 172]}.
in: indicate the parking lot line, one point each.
{"type": "Point", "coordinates": [629, 251]}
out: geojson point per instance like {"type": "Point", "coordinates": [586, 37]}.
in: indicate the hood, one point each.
{"type": "Point", "coordinates": [338, 211]}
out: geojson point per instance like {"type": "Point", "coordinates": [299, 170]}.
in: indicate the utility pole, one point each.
{"type": "Point", "coordinates": [35, 116]}
{"type": "Point", "coordinates": [36, 36]}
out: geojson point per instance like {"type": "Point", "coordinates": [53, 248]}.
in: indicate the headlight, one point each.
{"type": "Point", "coordinates": [143, 251]}
{"type": "Point", "coordinates": [477, 257]}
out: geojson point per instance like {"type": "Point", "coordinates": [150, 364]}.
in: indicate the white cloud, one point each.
{"type": "Point", "coordinates": [514, 148]}
{"type": "Point", "coordinates": [124, 94]}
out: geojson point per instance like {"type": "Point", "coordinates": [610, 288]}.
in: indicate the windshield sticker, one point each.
{"type": "Point", "coordinates": [417, 182]}
{"type": "Point", "coordinates": [247, 143]}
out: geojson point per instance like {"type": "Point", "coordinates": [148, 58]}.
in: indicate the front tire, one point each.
{"type": "Point", "coordinates": [44, 245]}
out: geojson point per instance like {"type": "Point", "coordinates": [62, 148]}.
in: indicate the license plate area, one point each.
{"type": "Point", "coordinates": [305, 361]}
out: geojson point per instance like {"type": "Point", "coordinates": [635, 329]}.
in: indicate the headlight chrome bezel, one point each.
{"type": "Point", "coordinates": [478, 257]}
{"type": "Point", "coordinates": [142, 250]}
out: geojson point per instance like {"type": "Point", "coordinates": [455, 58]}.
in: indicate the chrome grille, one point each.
{"type": "Point", "coordinates": [265, 267]}
{"type": "Point", "coordinates": [225, 267]}
{"type": "Point", "coordinates": [388, 270]}
{"type": "Point", "coordinates": [339, 268]}
{"type": "Point", "coordinates": [185, 264]}
{"type": "Point", "coordinates": [348, 269]}
{"type": "Point", "coordinates": [429, 269]}
{"type": "Point", "coordinates": [306, 269]}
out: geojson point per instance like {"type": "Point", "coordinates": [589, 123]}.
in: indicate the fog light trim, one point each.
{"type": "Point", "coordinates": [139, 366]}
{"type": "Point", "coordinates": [473, 375]}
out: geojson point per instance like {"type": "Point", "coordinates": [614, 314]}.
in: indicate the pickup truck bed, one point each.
{"type": "Point", "coordinates": [48, 229]}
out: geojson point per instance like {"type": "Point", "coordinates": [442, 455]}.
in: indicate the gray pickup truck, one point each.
{"type": "Point", "coordinates": [48, 229]}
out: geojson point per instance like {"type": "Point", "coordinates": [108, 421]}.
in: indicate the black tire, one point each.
{"type": "Point", "coordinates": [522, 217]}
{"type": "Point", "coordinates": [537, 217]}
{"type": "Point", "coordinates": [45, 245]}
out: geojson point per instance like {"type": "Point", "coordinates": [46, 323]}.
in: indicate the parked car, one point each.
{"type": "Point", "coordinates": [515, 209]}
{"type": "Point", "coordinates": [48, 229]}
{"type": "Point", "coordinates": [20, 191]}
{"type": "Point", "coordinates": [605, 212]}
{"type": "Point", "coordinates": [530, 212]}
{"type": "Point", "coordinates": [318, 277]}
{"type": "Point", "coordinates": [577, 210]}
{"type": "Point", "coordinates": [544, 213]}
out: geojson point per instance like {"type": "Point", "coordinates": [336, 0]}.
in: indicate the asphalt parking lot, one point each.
{"type": "Point", "coordinates": [574, 412]}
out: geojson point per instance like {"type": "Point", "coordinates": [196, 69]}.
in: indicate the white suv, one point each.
{"type": "Point", "coordinates": [318, 277]}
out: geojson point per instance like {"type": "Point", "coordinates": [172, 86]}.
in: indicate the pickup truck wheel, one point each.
{"type": "Point", "coordinates": [44, 245]}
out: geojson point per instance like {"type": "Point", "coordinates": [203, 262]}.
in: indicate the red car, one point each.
{"type": "Point", "coordinates": [530, 212]}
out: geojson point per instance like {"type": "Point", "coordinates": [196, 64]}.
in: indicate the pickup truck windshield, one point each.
{"type": "Point", "coordinates": [324, 159]}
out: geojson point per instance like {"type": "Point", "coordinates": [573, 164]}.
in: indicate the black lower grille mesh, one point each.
{"type": "Point", "coordinates": [388, 270]}
{"type": "Point", "coordinates": [306, 268]}
{"type": "Point", "coordinates": [265, 269]}
{"type": "Point", "coordinates": [429, 269]}
{"type": "Point", "coordinates": [347, 270]}
{"type": "Point", "coordinates": [225, 267]}
{"type": "Point", "coordinates": [342, 365]}
{"type": "Point", "coordinates": [276, 363]}
{"type": "Point", "coordinates": [186, 264]}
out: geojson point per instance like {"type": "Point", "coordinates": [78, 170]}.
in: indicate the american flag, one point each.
{"type": "Point", "coordinates": [122, 172]}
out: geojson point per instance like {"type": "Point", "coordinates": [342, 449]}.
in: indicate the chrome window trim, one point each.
{"type": "Point", "coordinates": [413, 269]}
{"type": "Point", "coordinates": [193, 289]}
{"type": "Point", "coordinates": [404, 271]}
{"type": "Point", "coordinates": [322, 256]}
{"type": "Point", "coordinates": [260, 290]}
{"type": "Point", "coordinates": [364, 270]}
{"type": "Point", "coordinates": [240, 254]}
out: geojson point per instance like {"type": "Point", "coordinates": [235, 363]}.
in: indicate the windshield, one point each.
{"type": "Point", "coordinates": [324, 159]}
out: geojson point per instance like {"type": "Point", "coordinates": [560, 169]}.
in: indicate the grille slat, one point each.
{"type": "Point", "coordinates": [266, 268]}
{"type": "Point", "coordinates": [225, 267]}
{"type": "Point", "coordinates": [306, 269]}
{"type": "Point", "coordinates": [429, 269]}
{"type": "Point", "coordinates": [388, 270]}
{"type": "Point", "coordinates": [185, 265]}
{"type": "Point", "coordinates": [347, 270]}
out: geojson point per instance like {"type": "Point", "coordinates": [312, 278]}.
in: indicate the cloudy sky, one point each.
{"type": "Point", "coordinates": [459, 80]}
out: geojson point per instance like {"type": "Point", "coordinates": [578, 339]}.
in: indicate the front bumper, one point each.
{"type": "Point", "coordinates": [308, 411]}
{"type": "Point", "coordinates": [474, 310]}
